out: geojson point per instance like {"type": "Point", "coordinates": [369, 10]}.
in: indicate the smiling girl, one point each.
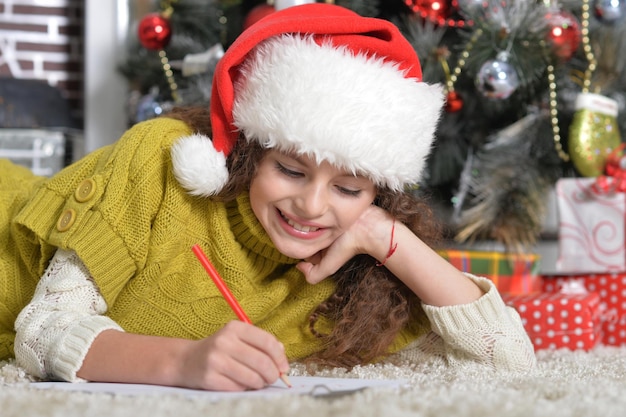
{"type": "Point", "coordinates": [294, 184]}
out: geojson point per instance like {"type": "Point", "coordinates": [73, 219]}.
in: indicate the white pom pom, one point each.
{"type": "Point", "coordinates": [198, 167]}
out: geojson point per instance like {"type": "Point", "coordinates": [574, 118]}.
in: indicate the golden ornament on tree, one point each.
{"type": "Point", "coordinates": [594, 133]}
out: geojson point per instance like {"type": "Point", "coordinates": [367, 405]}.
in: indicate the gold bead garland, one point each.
{"type": "Point", "coordinates": [451, 78]}
{"type": "Point", "coordinates": [587, 49]}
{"type": "Point", "coordinates": [586, 83]}
{"type": "Point", "coordinates": [554, 115]}
{"type": "Point", "coordinates": [167, 12]}
{"type": "Point", "coordinates": [169, 75]}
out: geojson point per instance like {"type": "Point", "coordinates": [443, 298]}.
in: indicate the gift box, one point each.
{"type": "Point", "coordinates": [591, 227]}
{"type": "Point", "coordinates": [611, 289]}
{"type": "Point", "coordinates": [560, 320]}
{"type": "Point", "coordinates": [512, 273]}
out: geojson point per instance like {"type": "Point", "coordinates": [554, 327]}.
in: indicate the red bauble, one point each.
{"type": "Point", "coordinates": [154, 31]}
{"type": "Point", "coordinates": [257, 13]}
{"type": "Point", "coordinates": [435, 10]}
{"type": "Point", "coordinates": [563, 33]}
{"type": "Point", "coordinates": [454, 102]}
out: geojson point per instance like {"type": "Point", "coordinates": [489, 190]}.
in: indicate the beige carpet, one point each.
{"type": "Point", "coordinates": [564, 384]}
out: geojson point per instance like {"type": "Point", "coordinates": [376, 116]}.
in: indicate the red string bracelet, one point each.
{"type": "Point", "coordinates": [392, 247]}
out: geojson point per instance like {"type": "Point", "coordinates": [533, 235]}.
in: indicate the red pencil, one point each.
{"type": "Point", "coordinates": [228, 296]}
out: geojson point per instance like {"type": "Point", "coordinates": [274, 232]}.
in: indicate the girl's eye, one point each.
{"type": "Point", "coordinates": [297, 174]}
{"type": "Point", "coordinates": [290, 173]}
{"type": "Point", "coordinates": [349, 192]}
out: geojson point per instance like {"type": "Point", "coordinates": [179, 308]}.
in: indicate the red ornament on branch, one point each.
{"type": "Point", "coordinates": [431, 9]}
{"type": "Point", "coordinates": [154, 31]}
{"type": "Point", "coordinates": [563, 33]}
{"type": "Point", "coordinates": [437, 11]}
{"type": "Point", "coordinates": [257, 13]}
{"type": "Point", "coordinates": [454, 102]}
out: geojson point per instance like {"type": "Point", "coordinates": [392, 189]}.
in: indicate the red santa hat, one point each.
{"type": "Point", "coordinates": [322, 81]}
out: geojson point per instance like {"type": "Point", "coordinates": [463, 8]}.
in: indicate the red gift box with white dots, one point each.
{"type": "Point", "coordinates": [611, 287]}
{"type": "Point", "coordinates": [559, 320]}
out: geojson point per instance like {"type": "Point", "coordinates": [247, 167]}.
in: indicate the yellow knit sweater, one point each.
{"type": "Point", "coordinates": [131, 223]}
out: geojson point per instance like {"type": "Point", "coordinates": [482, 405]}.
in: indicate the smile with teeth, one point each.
{"type": "Point", "coordinates": [299, 227]}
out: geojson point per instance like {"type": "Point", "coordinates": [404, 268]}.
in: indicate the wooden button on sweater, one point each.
{"type": "Point", "coordinates": [85, 191]}
{"type": "Point", "coordinates": [66, 220]}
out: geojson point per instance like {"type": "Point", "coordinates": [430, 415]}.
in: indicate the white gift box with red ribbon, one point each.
{"type": "Point", "coordinates": [591, 227]}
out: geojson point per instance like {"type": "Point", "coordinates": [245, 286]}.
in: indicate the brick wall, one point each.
{"type": "Point", "coordinates": [43, 40]}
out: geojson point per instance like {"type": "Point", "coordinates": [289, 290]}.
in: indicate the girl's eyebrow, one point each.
{"type": "Point", "coordinates": [300, 159]}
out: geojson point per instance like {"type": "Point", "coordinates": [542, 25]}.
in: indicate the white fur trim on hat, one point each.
{"type": "Point", "coordinates": [197, 166]}
{"type": "Point", "coordinates": [358, 113]}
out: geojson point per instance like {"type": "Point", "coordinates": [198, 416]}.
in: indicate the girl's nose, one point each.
{"type": "Point", "coordinates": [313, 200]}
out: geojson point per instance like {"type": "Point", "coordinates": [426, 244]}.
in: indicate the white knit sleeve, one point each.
{"type": "Point", "coordinates": [486, 331]}
{"type": "Point", "coordinates": [54, 332]}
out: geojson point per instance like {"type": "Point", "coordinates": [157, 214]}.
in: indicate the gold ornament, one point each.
{"type": "Point", "coordinates": [594, 133]}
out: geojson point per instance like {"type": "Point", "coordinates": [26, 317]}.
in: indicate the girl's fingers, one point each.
{"type": "Point", "coordinates": [327, 262]}
{"type": "Point", "coordinates": [269, 353]}
{"type": "Point", "coordinates": [248, 355]}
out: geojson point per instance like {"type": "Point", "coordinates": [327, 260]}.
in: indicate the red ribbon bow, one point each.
{"type": "Point", "coordinates": [615, 169]}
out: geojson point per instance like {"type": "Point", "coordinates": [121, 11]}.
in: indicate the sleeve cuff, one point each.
{"type": "Point", "coordinates": [73, 347]}
{"type": "Point", "coordinates": [480, 313]}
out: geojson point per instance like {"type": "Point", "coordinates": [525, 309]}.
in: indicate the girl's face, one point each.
{"type": "Point", "coordinates": [303, 206]}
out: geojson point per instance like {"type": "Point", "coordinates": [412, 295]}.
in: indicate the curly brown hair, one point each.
{"type": "Point", "coordinates": [370, 305]}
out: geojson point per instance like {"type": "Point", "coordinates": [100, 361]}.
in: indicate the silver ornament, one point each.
{"type": "Point", "coordinates": [150, 106]}
{"type": "Point", "coordinates": [497, 78]}
{"type": "Point", "coordinates": [609, 11]}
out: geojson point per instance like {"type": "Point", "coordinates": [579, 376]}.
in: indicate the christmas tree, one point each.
{"type": "Point", "coordinates": [535, 92]}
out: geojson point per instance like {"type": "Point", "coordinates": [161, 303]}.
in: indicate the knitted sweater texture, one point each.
{"type": "Point", "coordinates": [123, 213]}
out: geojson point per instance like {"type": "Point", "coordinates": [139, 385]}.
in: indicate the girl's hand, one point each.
{"type": "Point", "coordinates": [370, 234]}
{"type": "Point", "coordinates": [240, 356]}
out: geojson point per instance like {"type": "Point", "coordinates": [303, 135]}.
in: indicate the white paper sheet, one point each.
{"type": "Point", "coordinates": [313, 386]}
